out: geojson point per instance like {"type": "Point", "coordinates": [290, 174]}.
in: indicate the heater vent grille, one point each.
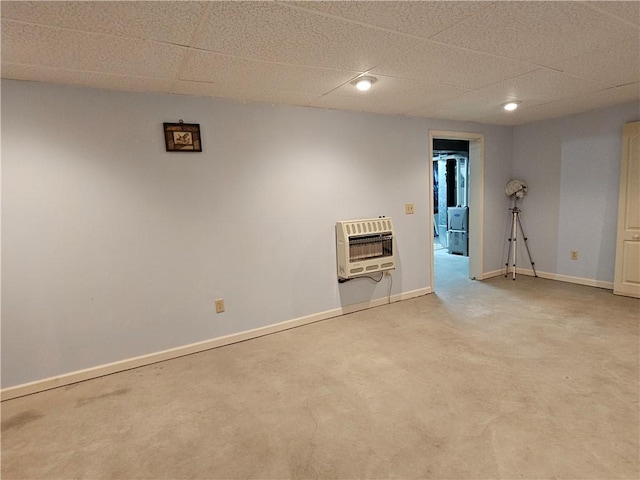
{"type": "Point", "coordinates": [358, 227]}
{"type": "Point", "coordinates": [364, 246]}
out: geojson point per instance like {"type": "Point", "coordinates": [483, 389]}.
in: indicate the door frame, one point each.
{"type": "Point", "coordinates": [476, 198]}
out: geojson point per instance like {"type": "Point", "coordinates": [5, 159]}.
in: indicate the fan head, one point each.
{"type": "Point", "coordinates": [516, 188]}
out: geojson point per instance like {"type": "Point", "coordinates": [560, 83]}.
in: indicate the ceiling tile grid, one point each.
{"type": "Point", "coordinates": [247, 75]}
{"type": "Point", "coordinates": [242, 94]}
{"type": "Point", "coordinates": [60, 48]}
{"type": "Point", "coordinates": [475, 105]}
{"type": "Point", "coordinates": [442, 59]}
{"type": "Point", "coordinates": [543, 33]}
{"type": "Point", "coordinates": [390, 95]}
{"type": "Point", "coordinates": [171, 22]}
{"type": "Point", "coordinates": [570, 105]}
{"type": "Point", "coordinates": [437, 63]}
{"type": "Point", "coordinates": [543, 85]}
{"type": "Point", "coordinates": [616, 65]}
{"type": "Point", "coordinates": [272, 32]}
{"type": "Point", "coordinates": [88, 79]}
{"type": "Point", "coordinates": [628, 11]}
{"type": "Point", "coordinates": [421, 19]}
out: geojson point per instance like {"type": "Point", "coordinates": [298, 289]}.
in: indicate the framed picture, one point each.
{"type": "Point", "coordinates": [182, 137]}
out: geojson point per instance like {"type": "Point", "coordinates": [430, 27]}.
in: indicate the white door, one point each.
{"type": "Point", "coordinates": [627, 275]}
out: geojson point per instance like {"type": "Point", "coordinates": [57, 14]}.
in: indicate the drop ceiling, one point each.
{"type": "Point", "coordinates": [439, 59]}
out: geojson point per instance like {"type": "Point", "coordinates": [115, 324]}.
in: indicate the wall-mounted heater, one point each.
{"type": "Point", "coordinates": [364, 246]}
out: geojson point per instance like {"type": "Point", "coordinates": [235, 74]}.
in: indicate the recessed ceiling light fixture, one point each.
{"type": "Point", "coordinates": [511, 106]}
{"type": "Point", "coordinates": [364, 83]}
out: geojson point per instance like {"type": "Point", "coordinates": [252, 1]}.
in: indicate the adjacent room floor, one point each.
{"type": "Point", "coordinates": [451, 271]}
{"type": "Point", "coordinates": [490, 380]}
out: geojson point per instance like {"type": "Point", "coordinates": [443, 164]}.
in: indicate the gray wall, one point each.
{"type": "Point", "coordinates": [113, 248]}
{"type": "Point", "coordinates": [572, 167]}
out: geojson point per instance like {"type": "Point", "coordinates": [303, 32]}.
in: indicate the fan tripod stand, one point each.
{"type": "Point", "coordinates": [515, 223]}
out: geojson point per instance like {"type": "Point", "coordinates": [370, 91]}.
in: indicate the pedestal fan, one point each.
{"type": "Point", "coordinates": [516, 189]}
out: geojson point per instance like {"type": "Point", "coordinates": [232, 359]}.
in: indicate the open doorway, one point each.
{"type": "Point", "coordinates": [451, 210]}
{"type": "Point", "coordinates": [451, 195]}
{"type": "Point", "coordinates": [456, 167]}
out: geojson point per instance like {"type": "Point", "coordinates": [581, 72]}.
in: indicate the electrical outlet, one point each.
{"type": "Point", "coordinates": [574, 254]}
{"type": "Point", "coordinates": [408, 208]}
{"type": "Point", "coordinates": [219, 305]}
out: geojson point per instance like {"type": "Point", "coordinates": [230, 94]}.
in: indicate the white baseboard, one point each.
{"type": "Point", "coordinates": [589, 282]}
{"type": "Point", "coordinates": [495, 273]}
{"type": "Point", "coordinates": [128, 364]}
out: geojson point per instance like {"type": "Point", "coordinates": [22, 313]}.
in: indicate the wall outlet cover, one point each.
{"type": "Point", "coordinates": [219, 305]}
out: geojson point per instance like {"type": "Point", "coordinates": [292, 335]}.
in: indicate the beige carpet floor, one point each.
{"type": "Point", "coordinates": [497, 379]}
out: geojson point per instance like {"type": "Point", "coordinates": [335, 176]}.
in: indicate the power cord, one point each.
{"type": "Point", "coordinates": [382, 274]}
{"type": "Point", "coordinates": [373, 279]}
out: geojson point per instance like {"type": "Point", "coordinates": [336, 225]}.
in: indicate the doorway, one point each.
{"type": "Point", "coordinates": [450, 211]}
{"type": "Point", "coordinates": [456, 166]}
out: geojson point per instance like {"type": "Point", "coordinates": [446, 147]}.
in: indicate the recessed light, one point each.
{"type": "Point", "coordinates": [364, 83]}
{"type": "Point", "coordinates": [511, 106]}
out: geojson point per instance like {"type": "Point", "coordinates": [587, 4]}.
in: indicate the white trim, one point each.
{"type": "Point", "coordinates": [589, 282]}
{"type": "Point", "coordinates": [495, 273]}
{"type": "Point", "coordinates": [383, 301]}
{"type": "Point", "coordinates": [411, 294]}
{"type": "Point", "coordinates": [432, 237]}
{"type": "Point", "coordinates": [128, 364]}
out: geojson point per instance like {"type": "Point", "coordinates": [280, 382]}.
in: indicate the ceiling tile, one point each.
{"type": "Point", "coordinates": [173, 22]}
{"type": "Point", "coordinates": [438, 63]}
{"type": "Point", "coordinates": [422, 19]}
{"type": "Point", "coordinates": [569, 106]}
{"type": "Point", "coordinates": [471, 105]}
{"type": "Point", "coordinates": [388, 94]}
{"type": "Point", "coordinates": [86, 79]}
{"type": "Point", "coordinates": [306, 53]}
{"type": "Point", "coordinates": [541, 85]}
{"type": "Point", "coordinates": [272, 32]}
{"type": "Point", "coordinates": [585, 102]}
{"type": "Point", "coordinates": [242, 93]}
{"type": "Point", "coordinates": [626, 10]}
{"type": "Point", "coordinates": [540, 32]}
{"type": "Point", "coordinates": [253, 75]}
{"type": "Point", "coordinates": [616, 65]}
{"type": "Point", "coordinates": [52, 47]}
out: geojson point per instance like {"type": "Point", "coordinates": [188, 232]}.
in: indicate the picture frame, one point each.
{"type": "Point", "coordinates": [182, 137]}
